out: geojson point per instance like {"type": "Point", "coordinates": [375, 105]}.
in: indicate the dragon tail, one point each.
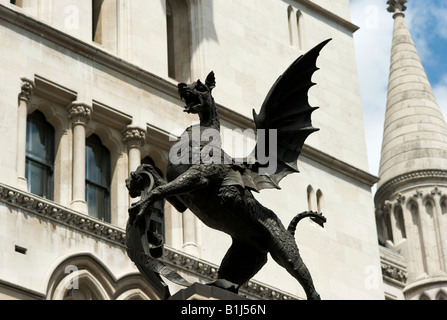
{"type": "Point", "coordinates": [314, 216]}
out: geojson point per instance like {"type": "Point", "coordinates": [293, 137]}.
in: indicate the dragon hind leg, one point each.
{"type": "Point", "coordinates": [241, 263]}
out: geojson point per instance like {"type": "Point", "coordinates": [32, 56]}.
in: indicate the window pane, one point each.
{"type": "Point", "coordinates": [97, 159]}
{"type": "Point", "coordinates": [39, 155]}
{"type": "Point", "coordinates": [98, 202]}
{"type": "Point", "coordinates": [97, 162]}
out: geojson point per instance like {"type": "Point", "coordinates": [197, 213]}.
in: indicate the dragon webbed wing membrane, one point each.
{"type": "Point", "coordinates": [286, 109]}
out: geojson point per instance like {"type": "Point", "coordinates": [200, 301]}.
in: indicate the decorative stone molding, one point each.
{"type": "Point", "coordinates": [393, 272]}
{"type": "Point", "coordinates": [64, 216]}
{"type": "Point", "coordinates": [79, 113]}
{"type": "Point", "coordinates": [436, 191]}
{"type": "Point", "coordinates": [410, 177]}
{"type": "Point", "coordinates": [134, 137]}
{"type": "Point", "coordinates": [101, 230]}
{"type": "Point", "coordinates": [26, 90]}
{"type": "Point", "coordinates": [393, 266]}
{"type": "Point", "coordinates": [207, 271]}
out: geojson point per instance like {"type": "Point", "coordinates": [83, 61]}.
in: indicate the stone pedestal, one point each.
{"type": "Point", "coordinates": [199, 291]}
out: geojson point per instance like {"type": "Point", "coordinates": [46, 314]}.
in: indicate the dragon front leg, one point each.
{"type": "Point", "coordinates": [189, 181]}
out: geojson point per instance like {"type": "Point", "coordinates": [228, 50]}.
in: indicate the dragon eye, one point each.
{"type": "Point", "coordinates": [201, 88]}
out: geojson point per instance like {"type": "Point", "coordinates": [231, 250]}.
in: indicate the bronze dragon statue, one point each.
{"type": "Point", "coordinates": [220, 194]}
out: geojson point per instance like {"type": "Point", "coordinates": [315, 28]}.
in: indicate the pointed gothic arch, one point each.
{"type": "Point", "coordinates": [178, 39]}
{"type": "Point", "coordinates": [400, 222]}
{"type": "Point", "coordinates": [85, 277]}
{"type": "Point", "coordinates": [415, 232]}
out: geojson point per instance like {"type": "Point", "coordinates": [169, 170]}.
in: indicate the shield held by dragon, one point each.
{"type": "Point", "coordinates": [220, 194]}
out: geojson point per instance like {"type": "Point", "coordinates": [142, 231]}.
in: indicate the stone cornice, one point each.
{"type": "Point", "coordinates": [53, 212]}
{"type": "Point", "coordinates": [414, 176]}
{"type": "Point", "coordinates": [103, 231]}
{"type": "Point", "coordinates": [330, 15]}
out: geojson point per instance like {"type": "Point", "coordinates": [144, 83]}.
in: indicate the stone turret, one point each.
{"type": "Point", "coordinates": [411, 198]}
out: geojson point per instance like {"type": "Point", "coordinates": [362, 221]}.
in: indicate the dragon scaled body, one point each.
{"type": "Point", "coordinates": [220, 193]}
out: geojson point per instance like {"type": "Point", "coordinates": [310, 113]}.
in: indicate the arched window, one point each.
{"type": "Point", "coordinates": [39, 155]}
{"type": "Point", "coordinates": [104, 23]}
{"type": "Point", "coordinates": [389, 229]}
{"type": "Point", "coordinates": [157, 224]}
{"type": "Point", "coordinates": [319, 200]}
{"type": "Point", "coordinates": [424, 297]}
{"type": "Point", "coordinates": [17, 3]}
{"type": "Point", "coordinates": [441, 296]}
{"type": "Point", "coordinates": [97, 179]}
{"type": "Point", "coordinates": [400, 223]}
{"type": "Point", "coordinates": [310, 196]}
{"type": "Point", "coordinates": [178, 40]}
{"type": "Point", "coordinates": [444, 206]}
{"type": "Point", "coordinates": [291, 21]}
{"type": "Point", "coordinates": [299, 27]}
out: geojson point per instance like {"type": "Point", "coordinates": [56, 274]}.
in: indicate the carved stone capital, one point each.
{"type": "Point", "coordinates": [134, 137]}
{"type": "Point", "coordinates": [26, 90]}
{"type": "Point", "coordinates": [436, 191]}
{"type": "Point", "coordinates": [400, 199]}
{"type": "Point", "coordinates": [79, 113]}
{"type": "Point", "coordinates": [418, 194]}
{"type": "Point", "coordinates": [397, 6]}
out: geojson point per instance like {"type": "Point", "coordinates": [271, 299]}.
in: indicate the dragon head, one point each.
{"type": "Point", "coordinates": [197, 95]}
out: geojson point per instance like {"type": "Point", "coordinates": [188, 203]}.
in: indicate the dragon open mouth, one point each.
{"type": "Point", "coordinates": [192, 102]}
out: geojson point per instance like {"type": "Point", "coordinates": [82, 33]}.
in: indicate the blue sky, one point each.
{"type": "Point", "coordinates": [427, 22]}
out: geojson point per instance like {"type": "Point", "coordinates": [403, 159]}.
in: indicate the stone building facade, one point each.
{"type": "Point", "coordinates": [89, 92]}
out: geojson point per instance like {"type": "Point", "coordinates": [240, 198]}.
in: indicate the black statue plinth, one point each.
{"type": "Point", "coordinates": [198, 291]}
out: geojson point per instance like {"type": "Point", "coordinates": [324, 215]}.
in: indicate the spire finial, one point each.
{"type": "Point", "coordinates": [397, 6]}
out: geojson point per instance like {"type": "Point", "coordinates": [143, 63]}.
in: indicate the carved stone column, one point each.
{"type": "Point", "coordinates": [24, 97]}
{"type": "Point", "coordinates": [134, 138]}
{"type": "Point", "coordinates": [79, 113]}
{"type": "Point", "coordinates": [440, 232]}
{"type": "Point", "coordinates": [189, 233]}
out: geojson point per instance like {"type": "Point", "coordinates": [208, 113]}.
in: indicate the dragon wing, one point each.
{"type": "Point", "coordinates": [286, 109]}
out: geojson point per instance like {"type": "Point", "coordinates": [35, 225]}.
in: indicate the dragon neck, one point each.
{"type": "Point", "coordinates": [210, 118]}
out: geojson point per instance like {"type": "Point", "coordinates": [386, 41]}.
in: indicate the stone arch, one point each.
{"type": "Point", "coordinates": [110, 138]}
{"type": "Point", "coordinates": [57, 118]}
{"type": "Point", "coordinates": [84, 277]}
{"type": "Point", "coordinates": [292, 25]}
{"type": "Point", "coordinates": [400, 222]}
{"type": "Point", "coordinates": [54, 114]}
{"type": "Point", "coordinates": [320, 200]}
{"type": "Point", "coordinates": [310, 198]}
{"type": "Point", "coordinates": [441, 295]}
{"type": "Point", "coordinates": [415, 233]}
{"type": "Point", "coordinates": [300, 31]}
{"type": "Point", "coordinates": [80, 272]}
{"type": "Point", "coordinates": [443, 205]}
{"type": "Point", "coordinates": [179, 39]}
{"type": "Point", "coordinates": [424, 296]}
{"type": "Point", "coordinates": [432, 255]}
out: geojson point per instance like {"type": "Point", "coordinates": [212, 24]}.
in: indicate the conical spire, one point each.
{"type": "Point", "coordinates": [415, 132]}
